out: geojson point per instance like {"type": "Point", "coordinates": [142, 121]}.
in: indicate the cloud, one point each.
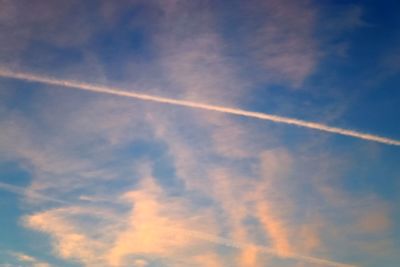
{"type": "Point", "coordinates": [98, 127]}
{"type": "Point", "coordinates": [140, 263]}
{"type": "Point", "coordinates": [309, 238]}
{"type": "Point", "coordinates": [248, 257]}
{"type": "Point", "coordinates": [157, 226]}
{"type": "Point", "coordinates": [208, 259]}
{"type": "Point", "coordinates": [375, 221]}
{"type": "Point", "coordinates": [277, 40]}
{"type": "Point", "coordinates": [275, 165]}
{"type": "Point", "coordinates": [265, 205]}
{"type": "Point", "coordinates": [152, 228]}
{"type": "Point", "coordinates": [22, 257]}
{"type": "Point", "coordinates": [72, 240]}
{"type": "Point", "coordinates": [210, 180]}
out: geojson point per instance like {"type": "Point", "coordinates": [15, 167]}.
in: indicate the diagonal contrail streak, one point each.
{"type": "Point", "coordinates": [27, 192]}
{"type": "Point", "coordinates": [250, 114]}
{"type": "Point", "coordinates": [238, 245]}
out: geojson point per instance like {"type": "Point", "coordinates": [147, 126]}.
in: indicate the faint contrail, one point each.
{"type": "Point", "coordinates": [27, 192]}
{"type": "Point", "coordinates": [226, 242]}
{"type": "Point", "coordinates": [263, 116]}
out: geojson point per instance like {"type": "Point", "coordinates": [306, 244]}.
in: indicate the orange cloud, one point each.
{"type": "Point", "coordinates": [274, 228]}
{"type": "Point", "coordinates": [248, 257]}
{"type": "Point", "coordinates": [275, 166]}
{"type": "Point", "coordinates": [156, 226]}
{"type": "Point", "coordinates": [71, 240]}
{"type": "Point", "coordinates": [152, 227]}
{"type": "Point", "coordinates": [375, 221]}
{"type": "Point", "coordinates": [209, 259]}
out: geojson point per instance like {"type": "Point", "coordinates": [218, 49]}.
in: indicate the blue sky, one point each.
{"type": "Point", "coordinates": [96, 179]}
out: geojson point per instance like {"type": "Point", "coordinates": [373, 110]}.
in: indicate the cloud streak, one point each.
{"type": "Point", "coordinates": [229, 243]}
{"type": "Point", "coordinates": [30, 193]}
{"type": "Point", "coordinates": [160, 230]}
{"type": "Point", "coordinates": [250, 114]}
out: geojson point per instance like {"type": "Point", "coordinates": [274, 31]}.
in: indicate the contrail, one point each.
{"type": "Point", "coordinates": [26, 192]}
{"type": "Point", "coordinates": [229, 243]}
{"type": "Point", "coordinates": [250, 114]}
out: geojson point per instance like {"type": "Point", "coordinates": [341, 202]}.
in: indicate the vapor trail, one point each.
{"type": "Point", "coordinates": [250, 114]}
{"type": "Point", "coordinates": [229, 243]}
{"type": "Point", "coordinates": [27, 192]}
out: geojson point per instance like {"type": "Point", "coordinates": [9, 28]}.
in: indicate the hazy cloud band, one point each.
{"type": "Point", "coordinates": [199, 235]}
{"type": "Point", "coordinates": [250, 114]}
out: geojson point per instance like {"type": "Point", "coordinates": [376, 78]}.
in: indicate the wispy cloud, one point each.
{"type": "Point", "coordinates": [72, 240]}
{"type": "Point", "coordinates": [160, 233]}
{"type": "Point", "coordinates": [136, 185]}
{"type": "Point", "coordinates": [284, 43]}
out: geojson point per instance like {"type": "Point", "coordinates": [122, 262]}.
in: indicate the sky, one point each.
{"type": "Point", "coordinates": [202, 133]}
